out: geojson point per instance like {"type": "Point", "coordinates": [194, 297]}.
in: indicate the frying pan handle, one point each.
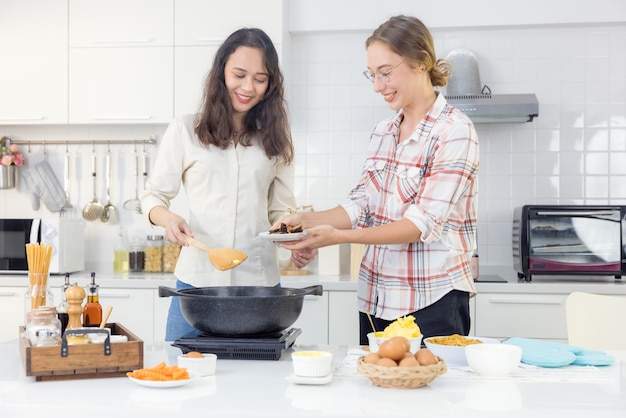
{"type": "Point", "coordinates": [316, 290]}
{"type": "Point", "coordinates": [167, 291]}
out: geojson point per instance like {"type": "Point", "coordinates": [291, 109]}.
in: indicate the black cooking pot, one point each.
{"type": "Point", "coordinates": [241, 310]}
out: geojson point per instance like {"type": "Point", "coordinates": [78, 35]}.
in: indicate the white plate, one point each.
{"type": "Point", "coordinates": [282, 237]}
{"type": "Point", "coordinates": [301, 380]}
{"type": "Point", "coordinates": [165, 383]}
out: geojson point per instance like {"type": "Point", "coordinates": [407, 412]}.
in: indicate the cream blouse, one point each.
{"type": "Point", "coordinates": [232, 196]}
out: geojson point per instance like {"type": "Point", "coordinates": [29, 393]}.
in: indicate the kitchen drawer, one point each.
{"type": "Point", "coordinates": [500, 315]}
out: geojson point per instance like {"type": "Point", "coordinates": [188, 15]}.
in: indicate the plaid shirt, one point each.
{"type": "Point", "coordinates": [430, 179]}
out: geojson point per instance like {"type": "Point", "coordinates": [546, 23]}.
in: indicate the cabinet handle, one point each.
{"type": "Point", "coordinates": [7, 293]}
{"type": "Point", "coordinates": [24, 118]}
{"type": "Point", "coordinates": [123, 41]}
{"type": "Point", "coordinates": [115, 296]}
{"type": "Point", "coordinates": [526, 301]}
{"type": "Point", "coordinates": [211, 40]}
{"type": "Point", "coordinates": [121, 118]}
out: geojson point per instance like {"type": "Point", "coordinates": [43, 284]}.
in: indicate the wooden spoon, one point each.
{"type": "Point", "coordinates": [221, 258]}
{"type": "Point", "coordinates": [105, 317]}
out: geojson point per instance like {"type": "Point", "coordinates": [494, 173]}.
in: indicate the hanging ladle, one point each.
{"type": "Point", "coordinates": [221, 258]}
{"type": "Point", "coordinates": [134, 205]}
{"type": "Point", "coordinates": [109, 213]}
{"type": "Point", "coordinates": [93, 210]}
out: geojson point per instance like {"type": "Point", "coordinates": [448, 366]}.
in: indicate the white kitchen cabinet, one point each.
{"type": "Point", "coordinates": [343, 314]}
{"type": "Point", "coordinates": [121, 62]}
{"type": "Point", "coordinates": [133, 308]}
{"type": "Point", "coordinates": [33, 74]}
{"type": "Point", "coordinates": [114, 23]}
{"type": "Point", "coordinates": [161, 308]}
{"type": "Point", "coordinates": [192, 66]}
{"type": "Point", "coordinates": [313, 320]}
{"type": "Point", "coordinates": [12, 302]}
{"type": "Point", "coordinates": [121, 85]}
{"type": "Point", "coordinates": [209, 22]}
{"type": "Point", "coordinates": [503, 315]}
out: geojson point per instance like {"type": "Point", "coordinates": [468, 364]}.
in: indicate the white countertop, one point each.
{"type": "Point", "coordinates": [539, 284]}
{"type": "Point", "coordinates": [260, 388]}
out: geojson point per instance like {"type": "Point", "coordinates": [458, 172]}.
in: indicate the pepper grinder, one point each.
{"type": "Point", "coordinates": [75, 295]}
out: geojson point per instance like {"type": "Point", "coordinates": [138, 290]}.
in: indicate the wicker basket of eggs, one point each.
{"type": "Point", "coordinates": [394, 366]}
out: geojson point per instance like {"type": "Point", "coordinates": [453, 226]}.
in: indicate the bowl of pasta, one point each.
{"type": "Point", "coordinates": [451, 348]}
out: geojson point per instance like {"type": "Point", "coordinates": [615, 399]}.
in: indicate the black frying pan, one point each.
{"type": "Point", "coordinates": [241, 310]}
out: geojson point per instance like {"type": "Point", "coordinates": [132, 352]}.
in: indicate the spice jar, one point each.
{"type": "Point", "coordinates": [43, 327]}
{"type": "Point", "coordinates": [137, 255]}
{"type": "Point", "coordinates": [154, 253]}
{"type": "Point", "coordinates": [170, 256]}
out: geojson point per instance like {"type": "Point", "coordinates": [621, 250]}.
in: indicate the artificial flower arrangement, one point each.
{"type": "Point", "coordinates": [10, 153]}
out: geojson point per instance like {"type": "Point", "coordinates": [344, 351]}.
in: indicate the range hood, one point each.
{"type": "Point", "coordinates": [496, 108]}
{"type": "Point", "coordinates": [464, 93]}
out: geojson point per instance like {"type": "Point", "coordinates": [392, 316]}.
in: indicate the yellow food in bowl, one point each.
{"type": "Point", "coordinates": [401, 327]}
{"type": "Point", "coordinates": [455, 340]}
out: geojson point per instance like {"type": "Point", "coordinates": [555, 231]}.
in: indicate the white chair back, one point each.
{"type": "Point", "coordinates": [596, 322]}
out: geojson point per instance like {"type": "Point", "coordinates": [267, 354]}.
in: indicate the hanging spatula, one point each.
{"type": "Point", "coordinates": [221, 258]}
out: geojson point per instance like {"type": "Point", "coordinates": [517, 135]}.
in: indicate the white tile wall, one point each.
{"type": "Point", "coordinates": [574, 152]}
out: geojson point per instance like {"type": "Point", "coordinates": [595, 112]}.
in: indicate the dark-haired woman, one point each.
{"type": "Point", "coordinates": [234, 160]}
{"type": "Point", "coordinates": [415, 204]}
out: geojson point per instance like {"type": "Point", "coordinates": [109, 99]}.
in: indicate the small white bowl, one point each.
{"type": "Point", "coordinates": [375, 341]}
{"type": "Point", "coordinates": [312, 363]}
{"type": "Point", "coordinates": [202, 366]}
{"type": "Point", "coordinates": [493, 360]}
{"type": "Point", "coordinates": [454, 355]}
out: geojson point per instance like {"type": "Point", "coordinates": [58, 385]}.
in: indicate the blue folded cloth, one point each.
{"type": "Point", "coordinates": [551, 354]}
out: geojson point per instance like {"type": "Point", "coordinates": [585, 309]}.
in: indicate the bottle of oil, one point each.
{"type": "Point", "coordinates": [92, 313]}
{"type": "Point", "coordinates": [62, 308]}
{"type": "Point", "coordinates": [120, 253]}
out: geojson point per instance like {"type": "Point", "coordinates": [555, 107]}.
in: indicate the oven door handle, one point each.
{"type": "Point", "coordinates": [577, 213]}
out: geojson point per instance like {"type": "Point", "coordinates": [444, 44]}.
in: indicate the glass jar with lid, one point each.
{"type": "Point", "coordinates": [43, 327]}
{"type": "Point", "coordinates": [170, 256]}
{"type": "Point", "coordinates": [154, 253]}
{"type": "Point", "coordinates": [137, 255]}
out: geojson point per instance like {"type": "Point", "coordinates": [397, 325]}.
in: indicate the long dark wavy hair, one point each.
{"type": "Point", "coordinates": [267, 120]}
{"type": "Point", "coordinates": [408, 37]}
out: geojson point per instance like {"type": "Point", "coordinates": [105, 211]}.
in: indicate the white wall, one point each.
{"type": "Point", "coordinates": [575, 151]}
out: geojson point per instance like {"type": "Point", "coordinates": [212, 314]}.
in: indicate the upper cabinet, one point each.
{"type": "Point", "coordinates": [116, 61]}
{"type": "Point", "coordinates": [209, 22]}
{"type": "Point", "coordinates": [33, 73]}
{"type": "Point", "coordinates": [118, 23]}
{"type": "Point", "coordinates": [121, 61]}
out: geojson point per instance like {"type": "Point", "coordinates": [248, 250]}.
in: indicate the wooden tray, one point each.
{"type": "Point", "coordinates": [85, 361]}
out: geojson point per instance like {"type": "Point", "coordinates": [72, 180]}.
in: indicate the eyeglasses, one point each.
{"type": "Point", "coordinates": [384, 76]}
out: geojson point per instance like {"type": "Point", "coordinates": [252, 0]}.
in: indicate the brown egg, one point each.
{"type": "Point", "coordinates": [386, 362]}
{"type": "Point", "coordinates": [408, 362]}
{"type": "Point", "coordinates": [403, 340]}
{"type": "Point", "coordinates": [425, 357]}
{"type": "Point", "coordinates": [392, 349]}
{"type": "Point", "coordinates": [371, 358]}
{"type": "Point", "coordinates": [194, 354]}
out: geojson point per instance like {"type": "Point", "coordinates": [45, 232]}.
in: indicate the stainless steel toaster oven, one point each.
{"type": "Point", "coordinates": [569, 240]}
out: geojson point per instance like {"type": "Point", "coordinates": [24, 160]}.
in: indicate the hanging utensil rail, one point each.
{"type": "Point", "coordinates": [150, 141]}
